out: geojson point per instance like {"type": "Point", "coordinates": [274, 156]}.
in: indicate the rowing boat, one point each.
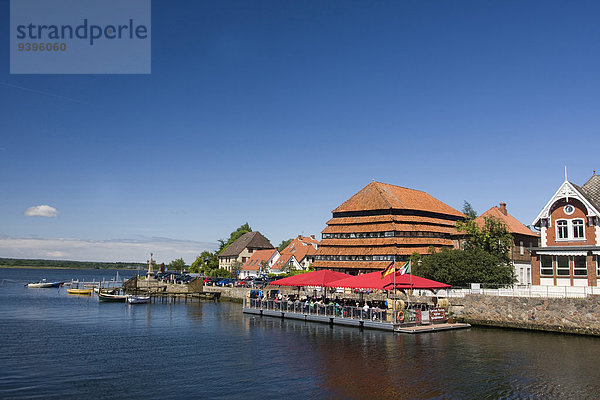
{"type": "Point", "coordinates": [138, 299]}
{"type": "Point", "coordinates": [104, 296]}
{"type": "Point", "coordinates": [86, 292]}
{"type": "Point", "coordinates": [43, 284]}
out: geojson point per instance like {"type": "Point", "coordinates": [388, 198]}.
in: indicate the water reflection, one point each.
{"type": "Point", "coordinates": [60, 345]}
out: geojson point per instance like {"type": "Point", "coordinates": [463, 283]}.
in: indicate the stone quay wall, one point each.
{"type": "Point", "coordinates": [567, 315]}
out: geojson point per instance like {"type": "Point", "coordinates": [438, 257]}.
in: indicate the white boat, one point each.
{"type": "Point", "coordinates": [43, 284]}
{"type": "Point", "coordinates": [138, 299]}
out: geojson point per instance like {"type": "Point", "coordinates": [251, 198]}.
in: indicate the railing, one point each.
{"type": "Point", "coordinates": [526, 291]}
{"type": "Point", "coordinates": [337, 311]}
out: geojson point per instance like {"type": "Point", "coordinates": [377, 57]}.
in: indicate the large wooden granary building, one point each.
{"type": "Point", "coordinates": [382, 223]}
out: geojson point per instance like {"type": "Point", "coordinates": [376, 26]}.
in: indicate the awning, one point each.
{"type": "Point", "coordinates": [315, 278]}
{"type": "Point", "coordinates": [373, 280]}
{"type": "Point", "coordinates": [561, 253]}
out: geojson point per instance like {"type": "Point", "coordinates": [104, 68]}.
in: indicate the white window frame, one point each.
{"type": "Point", "coordinates": [580, 225]}
{"type": "Point", "coordinates": [575, 269]}
{"type": "Point", "coordinates": [562, 229]}
{"type": "Point", "coordinates": [568, 226]}
{"type": "Point", "coordinates": [560, 269]}
{"type": "Point", "coordinates": [542, 268]}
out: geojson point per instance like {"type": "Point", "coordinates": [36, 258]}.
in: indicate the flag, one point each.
{"type": "Point", "coordinates": [405, 268]}
{"type": "Point", "coordinates": [390, 269]}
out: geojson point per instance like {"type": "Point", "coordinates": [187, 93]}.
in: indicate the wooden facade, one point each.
{"type": "Point", "coordinates": [383, 223]}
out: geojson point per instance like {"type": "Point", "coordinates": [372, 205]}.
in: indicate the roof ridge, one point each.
{"type": "Point", "coordinates": [381, 194]}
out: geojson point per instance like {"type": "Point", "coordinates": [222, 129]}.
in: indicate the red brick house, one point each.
{"type": "Point", "coordinates": [570, 236]}
{"type": "Point", "coordinates": [523, 240]}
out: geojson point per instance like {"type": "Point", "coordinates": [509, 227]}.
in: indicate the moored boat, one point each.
{"type": "Point", "coordinates": [86, 292]}
{"type": "Point", "coordinates": [43, 284]}
{"type": "Point", "coordinates": [105, 296]}
{"type": "Point", "coordinates": [138, 299]}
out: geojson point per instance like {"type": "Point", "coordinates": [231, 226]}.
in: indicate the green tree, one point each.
{"type": "Point", "coordinates": [177, 265]}
{"type": "Point", "coordinates": [462, 267]}
{"type": "Point", "coordinates": [485, 257]}
{"type": "Point", "coordinates": [493, 237]}
{"type": "Point", "coordinates": [205, 262]}
{"type": "Point", "coordinates": [284, 244]}
{"type": "Point", "coordinates": [219, 273]}
{"type": "Point", "coordinates": [469, 211]}
{"type": "Point", "coordinates": [235, 235]}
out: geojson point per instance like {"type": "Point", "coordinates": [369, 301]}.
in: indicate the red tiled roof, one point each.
{"type": "Point", "coordinates": [374, 251]}
{"type": "Point", "coordinates": [388, 227]}
{"type": "Point", "coordinates": [382, 196]}
{"type": "Point", "coordinates": [282, 261]}
{"type": "Point", "coordinates": [254, 262]}
{"type": "Point", "coordinates": [300, 247]}
{"type": "Point", "coordinates": [371, 219]}
{"type": "Point", "coordinates": [514, 226]}
{"type": "Point", "coordinates": [361, 242]}
{"type": "Point", "coordinates": [362, 265]}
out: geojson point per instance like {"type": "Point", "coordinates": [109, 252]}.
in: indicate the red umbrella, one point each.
{"type": "Point", "coordinates": [315, 278]}
{"type": "Point", "coordinates": [416, 282]}
{"type": "Point", "coordinates": [373, 280]}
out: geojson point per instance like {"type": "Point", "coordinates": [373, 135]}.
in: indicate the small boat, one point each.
{"type": "Point", "coordinates": [105, 296]}
{"type": "Point", "coordinates": [138, 299]}
{"type": "Point", "coordinates": [43, 284]}
{"type": "Point", "coordinates": [86, 292]}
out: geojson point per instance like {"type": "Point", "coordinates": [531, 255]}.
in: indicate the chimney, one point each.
{"type": "Point", "coordinates": [503, 208]}
{"type": "Point", "coordinates": [312, 236]}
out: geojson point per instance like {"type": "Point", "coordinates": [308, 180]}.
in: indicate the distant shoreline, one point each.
{"type": "Point", "coordinates": [51, 267]}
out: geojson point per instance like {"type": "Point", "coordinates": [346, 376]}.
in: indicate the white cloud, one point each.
{"type": "Point", "coordinates": [126, 250]}
{"type": "Point", "coordinates": [41, 211]}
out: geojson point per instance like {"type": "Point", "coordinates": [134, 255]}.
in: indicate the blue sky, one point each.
{"type": "Point", "coordinates": [274, 113]}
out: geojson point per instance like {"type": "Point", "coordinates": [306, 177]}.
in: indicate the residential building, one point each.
{"type": "Point", "coordinates": [259, 263]}
{"type": "Point", "coordinates": [382, 223]}
{"type": "Point", "coordinates": [287, 262]}
{"type": "Point", "coordinates": [523, 240]}
{"type": "Point", "coordinates": [242, 249]}
{"type": "Point", "coordinates": [569, 225]}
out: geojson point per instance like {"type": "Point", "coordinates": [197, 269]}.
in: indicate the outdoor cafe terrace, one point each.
{"type": "Point", "coordinates": [387, 314]}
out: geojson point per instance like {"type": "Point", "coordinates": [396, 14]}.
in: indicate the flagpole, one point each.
{"type": "Point", "coordinates": [395, 313]}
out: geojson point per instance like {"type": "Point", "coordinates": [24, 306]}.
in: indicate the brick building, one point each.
{"type": "Point", "coordinates": [523, 240]}
{"type": "Point", "coordinates": [570, 236]}
{"type": "Point", "coordinates": [382, 223]}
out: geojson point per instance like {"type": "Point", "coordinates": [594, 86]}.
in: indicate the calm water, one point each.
{"type": "Point", "coordinates": [54, 345]}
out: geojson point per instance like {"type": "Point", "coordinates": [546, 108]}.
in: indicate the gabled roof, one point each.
{"type": "Point", "coordinates": [260, 256]}
{"type": "Point", "coordinates": [568, 189]}
{"type": "Point", "coordinates": [592, 190]}
{"type": "Point", "coordinates": [282, 261]}
{"type": "Point", "coordinates": [300, 247]}
{"type": "Point", "coordinates": [514, 226]}
{"type": "Point", "coordinates": [253, 240]}
{"type": "Point", "coordinates": [382, 196]}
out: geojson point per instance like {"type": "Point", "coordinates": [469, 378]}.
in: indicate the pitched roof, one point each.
{"type": "Point", "coordinates": [248, 240]}
{"type": "Point", "coordinates": [514, 226]}
{"type": "Point", "coordinates": [258, 257]}
{"type": "Point", "coordinates": [282, 261]}
{"type": "Point", "coordinates": [591, 189]}
{"type": "Point", "coordinates": [300, 247]}
{"type": "Point", "coordinates": [382, 196]}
